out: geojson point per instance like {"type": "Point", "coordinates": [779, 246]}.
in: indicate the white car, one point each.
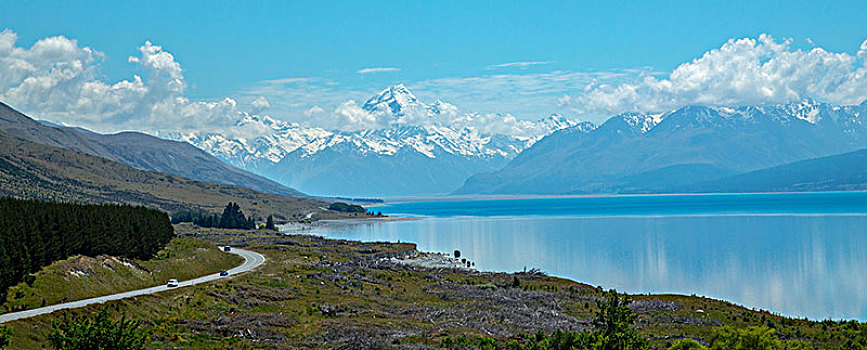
{"type": "Point", "coordinates": [172, 283]}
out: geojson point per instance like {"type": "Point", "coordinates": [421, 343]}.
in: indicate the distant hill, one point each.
{"type": "Point", "coordinates": [37, 171]}
{"type": "Point", "coordinates": [661, 152]}
{"type": "Point", "coordinates": [139, 151]}
{"type": "Point", "coordinates": [842, 172]}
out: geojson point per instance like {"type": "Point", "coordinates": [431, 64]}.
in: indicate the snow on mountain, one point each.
{"type": "Point", "coordinates": [658, 152]}
{"type": "Point", "coordinates": [432, 131]}
{"type": "Point", "coordinates": [396, 99]}
{"type": "Point", "coordinates": [265, 139]}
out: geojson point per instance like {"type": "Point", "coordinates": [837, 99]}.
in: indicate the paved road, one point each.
{"type": "Point", "coordinates": [251, 261]}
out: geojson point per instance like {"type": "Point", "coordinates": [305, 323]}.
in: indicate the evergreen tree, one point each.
{"type": "Point", "coordinates": [614, 324]}
{"type": "Point", "coordinates": [269, 224]}
{"type": "Point", "coordinates": [234, 218]}
{"type": "Point", "coordinates": [34, 234]}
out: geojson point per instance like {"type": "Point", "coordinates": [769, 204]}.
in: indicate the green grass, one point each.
{"type": "Point", "coordinates": [82, 277]}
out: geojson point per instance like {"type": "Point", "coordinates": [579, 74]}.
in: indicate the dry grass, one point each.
{"type": "Point", "coordinates": [316, 293]}
{"type": "Point", "coordinates": [32, 170]}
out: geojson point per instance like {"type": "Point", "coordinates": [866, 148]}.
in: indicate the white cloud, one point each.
{"type": "Point", "coordinates": [526, 96]}
{"type": "Point", "coordinates": [260, 104]}
{"type": "Point", "coordinates": [314, 111]}
{"type": "Point", "coordinates": [378, 70]}
{"type": "Point", "coordinates": [741, 72]}
{"type": "Point", "coordinates": [518, 64]}
{"type": "Point", "coordinates": [494, 124]}
{"type": "Point", "coordinates": [58, 80]}
{"type": "Point", "coordinates": [350, 117]}
{"type": "Point", "coordinates": [862, 51]}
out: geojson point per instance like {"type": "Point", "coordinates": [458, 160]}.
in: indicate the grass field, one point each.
{"type": "Point", "coordinates": [316, 293]}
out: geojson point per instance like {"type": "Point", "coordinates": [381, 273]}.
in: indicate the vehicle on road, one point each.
{"type": "Point", "coordinates": [224, 273]}
{"type": "Point", "coordinates": [172, 283]}
{"type": "Point", "coordinates": [227, 249]}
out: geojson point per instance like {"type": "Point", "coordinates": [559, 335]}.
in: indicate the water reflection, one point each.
{"type": "Point", "coordinates": [797, 265]}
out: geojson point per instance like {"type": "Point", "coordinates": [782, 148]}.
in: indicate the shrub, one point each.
{"type": "Point", "coordinates": [687, 344]}
{"type": "Point", "coordinates": [750, 338]}
{"type": "Point", "coordinates": [5, 336]}
{"type": "Point", "coordinates": [97, 333]}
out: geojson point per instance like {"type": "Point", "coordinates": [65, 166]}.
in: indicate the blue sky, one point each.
{"type": "Point", "coordinates": [235, 49]}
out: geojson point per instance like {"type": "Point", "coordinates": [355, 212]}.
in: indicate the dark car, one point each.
{"type": "Point", "coordinates": [224, 273]}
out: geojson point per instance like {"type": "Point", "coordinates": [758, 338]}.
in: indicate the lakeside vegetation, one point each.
{"type": "Point", "coordinates": [34, 234]}
{"type": "Point", "coordinates": [318, 293]}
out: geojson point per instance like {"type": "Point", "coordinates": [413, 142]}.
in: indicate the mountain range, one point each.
{"type": "Point", "coordinates": [801, 146]}
{"type": "Point", "coordinates": [423, 149]}
{"type": "Point", "coordinates": [138, 150]}
{"type": "Point", "coordinates": [37, 171]}
{"type": "Point", "coordinates": [75, 165]}
{"type": "Point", "coordinates": [840, 172]}
{"type": "Point", "coordinates": [666, 152]}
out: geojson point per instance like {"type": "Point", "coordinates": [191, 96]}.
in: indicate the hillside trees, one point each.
{"type": "Point", "coordinates": [346, 208]}
{"type": "Point", "coordinates": [232, 218]}
{"type": "Point", "coordinates": [200, 218]}
{"type": "Point", "coordinates": [34, 234]}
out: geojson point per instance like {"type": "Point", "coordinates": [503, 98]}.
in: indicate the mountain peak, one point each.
{"type": "Point", "coordinates": [394, 99]}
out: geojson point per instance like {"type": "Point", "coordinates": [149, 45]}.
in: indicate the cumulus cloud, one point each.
{"type": "Point", "coordinates": [349, 116]}
{"type": "Point", "coordinates": [518, 64]}
{"type": "Point", "coordinates": [58, 80]}
{"type": "Point", "coordinates": [315, 110]}
{"type": "Point", "coordinates": [742, 72]}
{"type": "Point", "coordinates": [378, 70]}
{"type": "Point", "coordinates": [260, 104]}
{"type": "Point", "coordinates": [497, 124]}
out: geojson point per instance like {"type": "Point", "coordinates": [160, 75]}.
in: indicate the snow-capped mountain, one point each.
{"type": "Point", "coordinates": [397, 100]}
{"type": "Point", "coordinates": [428, 148]}
{"type": "Point", "coordinates": [659, 152]}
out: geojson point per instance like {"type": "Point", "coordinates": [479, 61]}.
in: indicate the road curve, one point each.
{"type": "Point", "coordinates": [252, 260]}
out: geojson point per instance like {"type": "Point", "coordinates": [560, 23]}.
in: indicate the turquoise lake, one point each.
{"type": "Point", "coordinates": [796, 254]}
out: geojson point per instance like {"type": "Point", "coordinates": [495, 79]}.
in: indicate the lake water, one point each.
{"type": "Point", "coordinates": [801, 255]}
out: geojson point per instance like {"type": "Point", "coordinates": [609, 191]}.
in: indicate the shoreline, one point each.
{"type": "Point", "coordinates": [446, 256]}
{"type": "Point", "coordinates": [494, 197]}
{"type": "Point", "coordinates": [374, 219]}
